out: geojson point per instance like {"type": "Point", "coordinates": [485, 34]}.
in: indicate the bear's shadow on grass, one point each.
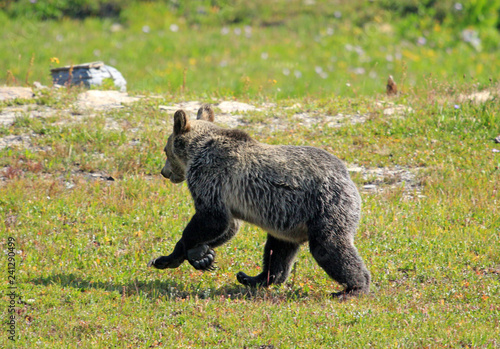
{"type": "Point", "coordinates": [170, 289]}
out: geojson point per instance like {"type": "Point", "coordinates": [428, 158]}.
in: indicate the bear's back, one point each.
{"type": "Point", "coordinates": [277, 187]}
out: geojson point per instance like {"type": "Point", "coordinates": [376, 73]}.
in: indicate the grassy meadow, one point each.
{"type": "Point", "coordinates": [84, 207]}
{"type": "Point", "coordinates": [286, 49]}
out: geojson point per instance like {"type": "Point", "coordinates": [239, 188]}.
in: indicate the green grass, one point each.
{"type": "Point", "coordinates": [305, 51]}
{"type": "Point", "coordinates": [88, 209]}
{"type": "Point", "coordinates": [84, 243]}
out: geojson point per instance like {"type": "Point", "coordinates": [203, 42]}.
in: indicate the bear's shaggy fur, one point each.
{"type": "Point", "coordinates": [297, 194]}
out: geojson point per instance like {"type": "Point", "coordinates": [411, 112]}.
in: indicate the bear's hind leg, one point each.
{"type": "Point", "coordinates": [341, 261]}
{"type": "Point", "coordinates": [278, 259]}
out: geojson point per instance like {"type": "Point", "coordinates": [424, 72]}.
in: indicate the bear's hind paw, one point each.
{"type": "Point", "coordinates": [349, 293]}
{"type": "Point", "coordinates": [254, 281]}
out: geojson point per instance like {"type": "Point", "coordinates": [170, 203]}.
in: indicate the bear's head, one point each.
{"type": "Point", "coordinates": [178, 142]}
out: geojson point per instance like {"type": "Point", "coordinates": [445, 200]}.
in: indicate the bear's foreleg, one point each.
{"type": "Point", "coordinates": [205, 230]}
{"type": "Point", "coordinates": [173, 260]}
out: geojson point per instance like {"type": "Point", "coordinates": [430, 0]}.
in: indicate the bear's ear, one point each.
{"type": "Point", "coordinates": [206, 113]}
{"type": "Point", "coordinates": [181, 122]}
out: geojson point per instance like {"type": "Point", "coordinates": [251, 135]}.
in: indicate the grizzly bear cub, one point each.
{"type": "Point", "coordinates": [295, 193]}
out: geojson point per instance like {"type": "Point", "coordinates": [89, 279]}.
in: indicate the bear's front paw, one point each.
{"type": "Point", "coordinates": [201, 257]}
{"type": "Point", "coordinates": [164, 262]}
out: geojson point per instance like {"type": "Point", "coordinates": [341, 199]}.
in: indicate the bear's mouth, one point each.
{"type": "Point", "coordinates": [176, 180]}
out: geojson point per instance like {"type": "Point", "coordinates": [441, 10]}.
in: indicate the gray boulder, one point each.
{"type": "Point", "coordinates": [88, 74]}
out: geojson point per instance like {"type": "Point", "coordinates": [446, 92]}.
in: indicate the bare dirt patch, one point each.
{"type": "Point", "coordinates": [234, 114]}
{"type": "Point", "coordinates": [309, 119]}
{"type": "Point", "coordinates": [14, 141]}
{"type": "Point", "coordinates": [383, 178]}
{"type": "Point", "coordinates": [396, 110]}
{"type": "Point", "coordinates": [478, 97]}
{"type": "Point", "coordinates": [9, 114]}
{"type": "Point", "coordinates": [229, 113]}
{"type": "Point", "coordinates": [67, 179]}
{"type": "Point", "coordinates": [101, 100]}
{"type": "Point", "coordinates": [9, 92]}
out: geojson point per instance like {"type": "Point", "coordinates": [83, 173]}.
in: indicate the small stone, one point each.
{"type": "Point", "coordinates": [116, 27]}
{"type": "Point", "coordinates": [37, 85]}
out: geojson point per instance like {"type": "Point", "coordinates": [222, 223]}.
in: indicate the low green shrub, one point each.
{"type": "Point", "coordinates": [57, 9]}
{"type": "Point", "coordinates": [453, 13]}
{"type": "Point", "coordinates": [477, 13]}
